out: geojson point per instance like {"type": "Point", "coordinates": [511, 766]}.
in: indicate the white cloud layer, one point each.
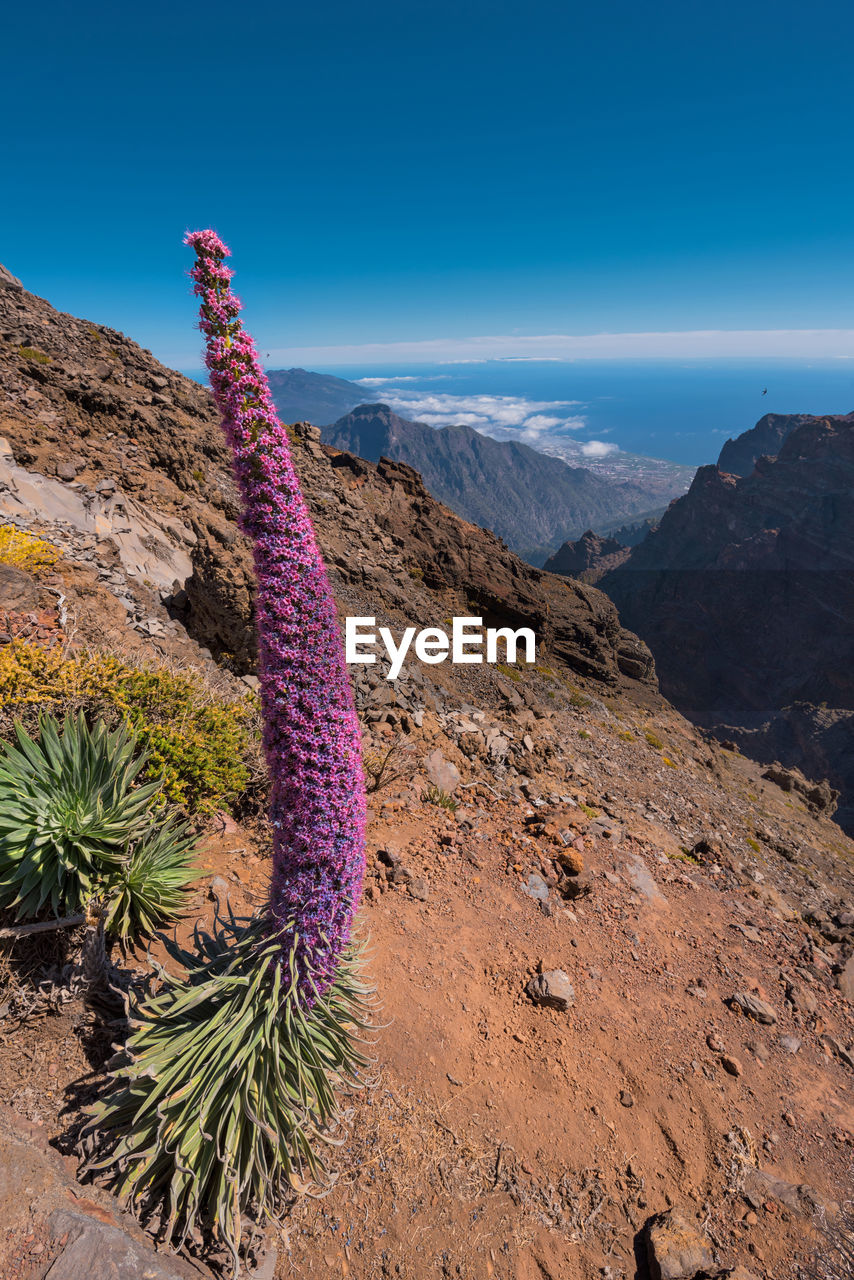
{"type": "Point", "coordinates": [598, 449]}
{"type": "Point", "coordinates": [381, 382]}
{"type": "Point", "coordinates": [692, 344]}
{"type": "Point", "coordinates": [503, 417]}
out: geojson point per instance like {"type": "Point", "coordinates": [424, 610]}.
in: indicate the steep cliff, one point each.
{"type": "Point", "coordinates": [745, 593]}
{"type": "Point", "coordinates": [739, 456]}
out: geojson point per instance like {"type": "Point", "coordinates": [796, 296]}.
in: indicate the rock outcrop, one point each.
{"type": "Point", "coordinates": [462, 562]}
{"type": "Point", "coordinates": [738, 457]}
{"type": "Point", "coordinates": [745, 594]}
{"type": "Point", "coordinates": [588, 558]}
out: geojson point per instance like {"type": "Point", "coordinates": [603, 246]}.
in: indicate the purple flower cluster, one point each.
{"type": "Point", "coordinates": [311, 733]}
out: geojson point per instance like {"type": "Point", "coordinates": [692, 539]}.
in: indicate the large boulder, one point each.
{"type": "Point", "coordinates": [676, 1249]}
{"type": "Point", "coordinates": [18, 590]}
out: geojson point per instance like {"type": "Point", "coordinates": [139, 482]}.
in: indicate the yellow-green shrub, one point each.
{"type": "Point", "coordinates": [509, 672]}
{"type": "Point", "coordinates": [204, 745]}
{"type": "Point", "coordinates": [33, 353]}
{"type": "Point", "coordinates": [25, 551]}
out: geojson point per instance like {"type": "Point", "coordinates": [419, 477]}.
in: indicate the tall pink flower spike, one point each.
{"type": "Point", "coordinates": [311, 732]}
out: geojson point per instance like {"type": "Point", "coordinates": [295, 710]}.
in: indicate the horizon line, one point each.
{"type": "Point", "coordinates": [828, 344]}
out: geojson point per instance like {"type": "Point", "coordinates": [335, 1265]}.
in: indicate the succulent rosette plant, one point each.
{"type": "Point", "coordinates": [225, 1094]}
{"type": "Point", "coordinates": [78, 832]}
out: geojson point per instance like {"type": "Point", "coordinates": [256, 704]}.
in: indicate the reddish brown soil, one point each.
{"type": "Point", "coordinates": [497, 1140]}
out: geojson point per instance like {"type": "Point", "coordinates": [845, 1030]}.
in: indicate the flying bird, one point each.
{"type": "Point", "coordinates": [765, 391]}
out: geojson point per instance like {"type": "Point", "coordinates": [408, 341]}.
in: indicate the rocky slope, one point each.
{"type": "Point", "coordinates": [745, 593]}
{"type": "Point", "coordinates": [532, 501]}
{"type": "Point", "coordinates": [90, 422]}
{"type": "Point", "coordinates": [588, 558]}
{"type": "Point", "coordinates": [616, 978]}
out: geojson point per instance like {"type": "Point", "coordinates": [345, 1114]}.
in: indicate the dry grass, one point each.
{"type": "Point", "coordinates": [386, 765]}
{"type": "Point", "coordinates": [834, 1257]}
{"type": "Point", "coordinates": [36, 975]}
{"type": "Point", "coordinates": [401, 1158]}
{"type": "Point", "coordinates": [413, 1169]}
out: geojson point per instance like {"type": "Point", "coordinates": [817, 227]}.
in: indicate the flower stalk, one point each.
{"type": "Point", "coordinates": [311, 732]}
{"type": "Point", "coordinates": [224, 1098]}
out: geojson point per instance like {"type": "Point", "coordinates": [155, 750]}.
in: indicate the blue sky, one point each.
{"type": "Point", "coordinates": [408, 172]}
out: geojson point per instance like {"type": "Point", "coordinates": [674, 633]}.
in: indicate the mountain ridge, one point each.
{"type": "Point", "coordinates": [82, 402]}
{"type": "Point", "coordinates": [587, 558]}
{"type": "Point", "coordinates": [531, 500]}
{"type": "Point", "coordinates": [300, 395]}
{"type": "Point", "coordinates": [739, 456]}
{"type": "Point", "coordinates": [745, 593]}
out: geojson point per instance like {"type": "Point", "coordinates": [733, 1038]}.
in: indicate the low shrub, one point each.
{"type": "Point", "coordinates": [387, 765]}
{"type": "Point", "coordinates": [33, 353]}
{"type": "Point", "coordinates": [654, 740]}
{"type": "Point", "coordinates": [685, 856]}
{"type": "Point", "coordinates": [24, 550]}
{"type": "Point", "coordinates": [203, 746]}
{"type": "Point", "coordinates": [150, 885]}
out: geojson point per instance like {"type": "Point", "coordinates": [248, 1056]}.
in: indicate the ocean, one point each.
{"type": "Point", "coordinates": [679, 411]}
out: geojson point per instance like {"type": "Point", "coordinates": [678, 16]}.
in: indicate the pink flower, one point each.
{"type": "Point", "coordinates": [311, 733]}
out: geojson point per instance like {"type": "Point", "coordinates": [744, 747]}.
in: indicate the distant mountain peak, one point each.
{"type": "Point", "coordinates": [533, 501]}
{"type": "Point", "coordinates": [588, 557]}
{"type": "Point", "coordinates": [319, 398]}
{"type": "Point", "coordinates": [738, 457]}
